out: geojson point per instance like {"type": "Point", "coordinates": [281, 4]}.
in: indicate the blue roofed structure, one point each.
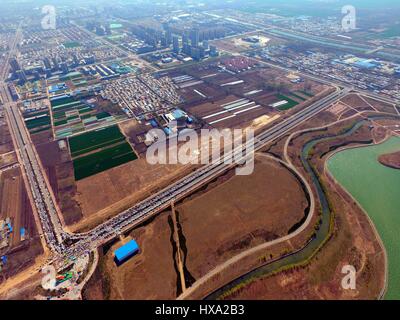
{"type": "Point", "coordinates": [367, 64]}
{"type": "Point", "coordinates": [153, 123]}
{"type": "Point", "coordinates": [126, 251]}
{"type": "Point", "coordinates": [178, 114]}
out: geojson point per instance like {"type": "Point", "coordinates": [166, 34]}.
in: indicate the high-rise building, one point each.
{"type": "Point", "coordinates": [36, 75]}
{"type": "Point", "coordinates": [195, 37]}
{"type": "Point", "coordinates": [14, 64]}
{"type": "Point", "coordinates": [64, 67]}
{"type": "Point", "coordinates": [185, 38]}
{"type": "Point", "coordinates": [202, 52]}
{"type": "Point", "coordinates": [195, 53]}
{"type": "Point", "coordinates": [21, 76]}
{"type": "Point", "coordinates": [205, 44]}
{"type": "Point", "coordinates": [47, 63]}
{"type": "Point", "coordinates": [55, 64]}
{"type": "Point", "coordinates": [168, 37]}
{"type": "Point", "coordinates": [186, 48]}
{"type": "Point", "coordinates": [175, 44]}
{"type": "Point", "coordinates": [164, 41]}
{"type": "Point", "coordinates": [213, 51]}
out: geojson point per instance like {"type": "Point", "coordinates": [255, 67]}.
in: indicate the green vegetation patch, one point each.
{"type": "Point", "coordinates": [298, 96]}
{"type": "Point", "coordinates": [38, 122]}
{"type": "Point", "coordinates": [84, 110]}
{"type": "Point", "coordinates": [35, 114]}
{"type": "Point", "coordinates": [61, 101]}
{"type": "Point", "coordinates": [93, 140]}
{"type": "Point", "coordinates": [71, 44]}
{"type": "Point", "coordinates": [103, 160]}
{"type": "Point", "coordinates": [86, 116]}
{"type": "Point", "coordinates": [67, 106]}
{"type": "Point", "coordinates": [73, 117]}
{"type": "Point", "coordinates": [60, 123]}
{"type": "Point", "coordinates": [291, 103]}
{"type": "Point", "coordinates": [102, 115]}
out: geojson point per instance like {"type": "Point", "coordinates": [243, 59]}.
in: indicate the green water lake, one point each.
{"type": "Point", "coordinates": [377, 189]}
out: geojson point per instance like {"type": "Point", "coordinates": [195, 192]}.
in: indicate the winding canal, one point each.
{"type": "Point", "coordinates": [318, 240]}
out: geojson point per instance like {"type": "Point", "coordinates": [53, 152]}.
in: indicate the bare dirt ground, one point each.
{"type": "Point", "coordinates": [5, 138]}
{"type": "Point", "coordinates": [107, 193]}
{"type": "Point", "coordinates": [248, 218]}
{"type": "Point", "coordinates": [7, 159]}
{"type": "Point", "coordinates": [149, 275]}
{"type": "Point", "coordinates": [135, 132]}
{"type": "Point", "coordinates": [14, 204]}
{"type": "Point", "coordinates": [59, 169]}
{"type": "Point", "coordinates": [239, 214]}
{"type": "Point", "coordinates": [42, 137]}
{"type": "Point", "coordinates": [236, 44]}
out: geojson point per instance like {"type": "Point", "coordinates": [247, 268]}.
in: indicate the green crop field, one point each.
{"type": "Point", "coordinates": [60, 122]}
{"type": "Point", "coordinates": [35, 114]}
{"type": "Point", "coordinates": [70, 116]}
{"type": "Point", "coordinates": [38, 122]}
{"type": "Point", "coordinates": [102, 115]}
{"type": "Point", "coordinates": [67, 106]}
{"type": "Point", "coordinates": [291, 103]}
{"type": "Point", "coordinates": [58, 102]}
{"type": "Point", "coordinates": [103, 160]}
{"type": "Point", "coordinates": [93, 140]}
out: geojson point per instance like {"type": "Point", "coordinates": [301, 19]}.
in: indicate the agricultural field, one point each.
{"type": "Point", "coordinates": [73, 115]}
{"type": "Point", "coordinates": [98, 151]}
{"type": "Point", "coordinates": [225, 98]}
{"type": "Point", "coordinates": [37, 121]}
{"type": "Point", "coordinates": [290, 102]}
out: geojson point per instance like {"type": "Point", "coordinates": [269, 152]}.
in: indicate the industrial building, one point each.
{"type": "Point", "coordinates": [125, 252]}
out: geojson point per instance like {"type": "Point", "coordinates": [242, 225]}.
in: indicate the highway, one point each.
{"type": "Point", "coordinates": [44, 202]}
{"type": "Point", "coordinates": [4, 92]}
{"type": "Point", "coordinates": [45, 206]}
{"type": "Point", "coordinates": [147, 208]}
